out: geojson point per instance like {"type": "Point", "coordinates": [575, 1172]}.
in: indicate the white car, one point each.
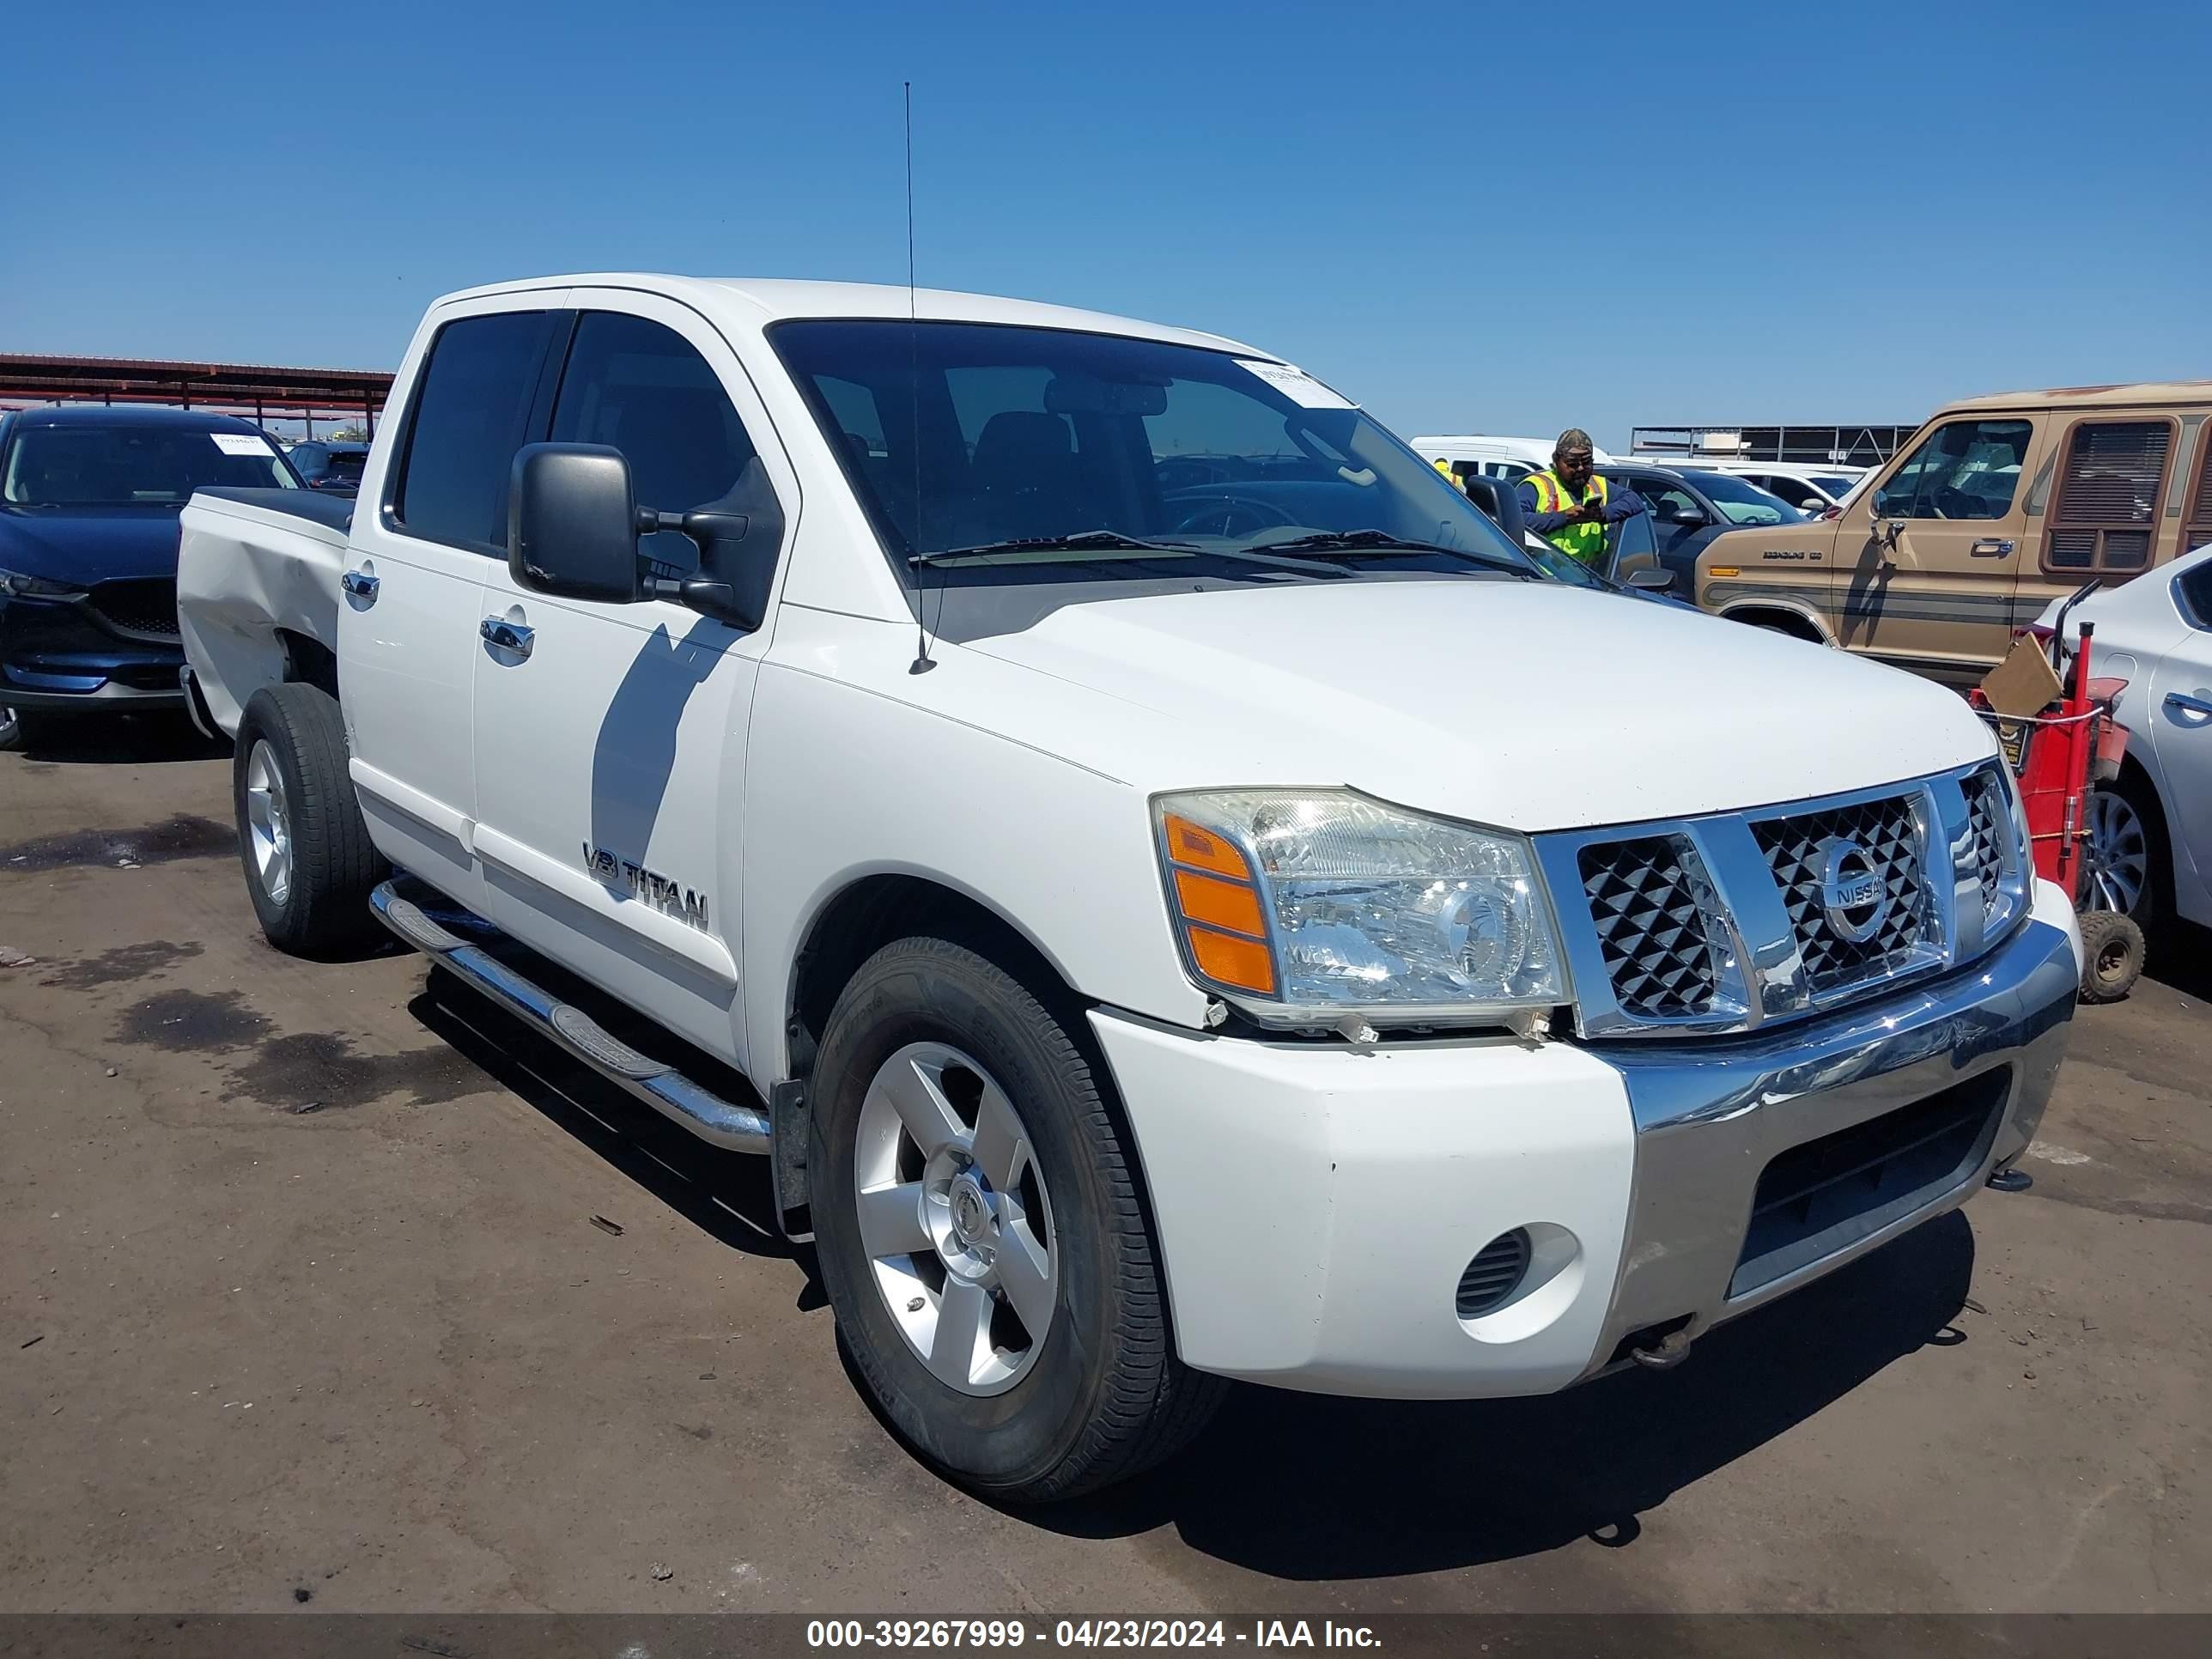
{"type": "Point", "coordinates": [2150, 832]}
{"type": "Point", "coordinates": [1510, 459]}
{"type": "Point", "coordinates": [1173, 891]}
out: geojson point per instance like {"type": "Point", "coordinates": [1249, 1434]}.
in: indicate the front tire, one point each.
{"type": "Point", "coordinates": [18, 730]}
{"type": "Point", "coordinates": [981, 1235]}
{"type": "Point", "coordinates": [309, 863]}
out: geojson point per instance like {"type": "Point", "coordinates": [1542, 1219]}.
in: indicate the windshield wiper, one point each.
{"type": "Point", "coordinates": [1082, 541]}
{"type": "Point", "coordinates": [1381, 541]}
{"type": "Point", "coordinates": [1111, 542]}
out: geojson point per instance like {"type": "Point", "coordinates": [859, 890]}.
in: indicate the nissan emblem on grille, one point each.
{"type": "Point", "coordinates": [1852, 896]}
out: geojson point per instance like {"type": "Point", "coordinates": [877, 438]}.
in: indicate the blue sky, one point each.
{"type": "Point", "coordinates": [1468, 218]}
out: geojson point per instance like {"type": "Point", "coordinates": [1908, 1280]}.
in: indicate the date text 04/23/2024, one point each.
{"type": "Point", "coordinates": [941, 1633]}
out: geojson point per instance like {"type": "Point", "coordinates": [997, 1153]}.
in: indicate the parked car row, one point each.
{"type": "Point", "coordinates": [89, 497]}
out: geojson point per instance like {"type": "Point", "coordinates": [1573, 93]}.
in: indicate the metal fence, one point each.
{"type": "Point", "coordinates": [1861, 444]}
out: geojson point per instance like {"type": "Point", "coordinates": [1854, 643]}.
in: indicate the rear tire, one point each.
{"type": "Point", "coordinates": [2111, 955]}
{"type": "Point", "coordinates": [309, 863]}
{"type": "Point", "coordinates": [1019, 1412]}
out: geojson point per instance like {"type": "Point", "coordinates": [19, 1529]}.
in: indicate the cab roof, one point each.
{"type": "Point", "coordinates": [766, 301]}
{"type": "Point", "coordinates": [2094, 396]}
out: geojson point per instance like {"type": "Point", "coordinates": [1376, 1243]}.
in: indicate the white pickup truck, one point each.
{"type": "Point", "coordinates": [1175, 891]}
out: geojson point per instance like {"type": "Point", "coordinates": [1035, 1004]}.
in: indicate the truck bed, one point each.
{"type": "Point", "coordinates": [256, 573]}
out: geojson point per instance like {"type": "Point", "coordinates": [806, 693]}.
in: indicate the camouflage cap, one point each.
{"type": "Point", "coordinates": [1572, 439]}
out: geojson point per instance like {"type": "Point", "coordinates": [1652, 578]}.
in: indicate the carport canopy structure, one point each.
{"type": "Point", "coordinates": [263, 392]}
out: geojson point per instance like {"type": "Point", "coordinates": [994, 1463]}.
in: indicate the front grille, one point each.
{"type": "Point", "coordinates": [145, 604]}
{"type": "Point", "coordinates": [1985, 831]}
{"type": "Point", "coordinates": [1651, 930]}
{"type": "Point", "coordinates": [1493, 1275]}
{"type": "Point", "coordinates": [1825, 1195]}
{"type": "Point", "coordinates": [1796, 850]}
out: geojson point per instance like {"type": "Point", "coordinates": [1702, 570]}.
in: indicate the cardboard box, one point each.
{"type": "Point", "coordinates": [2024, 683]}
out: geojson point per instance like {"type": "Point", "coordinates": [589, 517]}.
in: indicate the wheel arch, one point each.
{"type": "Point", "coordinates": [867, 912]}
{"type": "Point", "coordinates": [1799, 621]}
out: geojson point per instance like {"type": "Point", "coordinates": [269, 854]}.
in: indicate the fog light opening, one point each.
{"type": "Point", "coordinates": [1494, 1275]}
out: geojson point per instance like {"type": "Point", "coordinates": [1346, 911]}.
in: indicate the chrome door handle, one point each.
{"type": "Point", "coordinates": [360, 584]}
{"type": "Point", "coordinates": [506, 635]}
{"type": "Point", "coordinates": [2189, 705]}
{"type": "Point", "coordinates": [1991, 547]}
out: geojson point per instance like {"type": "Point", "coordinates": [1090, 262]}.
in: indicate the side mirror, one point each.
{"type": "Point", "coordinates": [1689, 518]}
{"type": "Point", "coordinates": [1651, 577]}
{"type": "Point", "coordinates": [1812, 504]}
{"type": "Point", "coordinates": [572, 522]}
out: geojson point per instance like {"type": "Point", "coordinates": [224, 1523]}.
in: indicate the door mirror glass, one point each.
{"type": "Point", "coordinates": [572, 523]}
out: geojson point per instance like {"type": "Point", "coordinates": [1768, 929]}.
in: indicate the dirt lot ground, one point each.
{"type": "Point", "coordinates": [300, 1292]}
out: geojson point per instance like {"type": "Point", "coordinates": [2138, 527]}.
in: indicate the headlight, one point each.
{"type": "Point", "coordinates": [37, 588]}
{"type": "Point", "coordinates": [1303, 906]}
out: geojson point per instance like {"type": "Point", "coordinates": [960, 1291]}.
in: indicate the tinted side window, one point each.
{"type": "Point", "coordinates": [471, 416]}
{"type": "Point", "coordinates": [1668, 502]}
{"type": "Point", "coordinates": [642, 387]}
{"type": "Point", "coordinates": [1962, 469]}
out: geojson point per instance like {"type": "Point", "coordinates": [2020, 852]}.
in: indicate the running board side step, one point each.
{"type": "Point", "coordinates": [658, 1084]}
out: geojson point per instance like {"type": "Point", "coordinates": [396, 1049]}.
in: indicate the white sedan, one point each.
{"type": "Point", "coordinates": [2150, 831]}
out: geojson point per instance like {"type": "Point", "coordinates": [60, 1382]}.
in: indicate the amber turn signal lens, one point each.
{"type": "Point", "coordinates": [1202, 849]}
{"type": "Point", "coordinates": [1227, 904]}
{"type": "Point", "coordinates": [1724, 570]}
{"type": "Point", "coordinates": [1227, 960]}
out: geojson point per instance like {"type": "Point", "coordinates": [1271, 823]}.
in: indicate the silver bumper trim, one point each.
{"type": "Point", "coordinates": [1710, 1116]}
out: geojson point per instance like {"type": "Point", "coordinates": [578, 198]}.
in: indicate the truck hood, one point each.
{"type": "Point", "coordinates": [88, 545]}
{"type": "Point", "coordinates": [1527, 705]}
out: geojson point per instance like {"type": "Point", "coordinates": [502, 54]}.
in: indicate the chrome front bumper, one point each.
{"type": "Point", "coordinates": [1710, 1117]}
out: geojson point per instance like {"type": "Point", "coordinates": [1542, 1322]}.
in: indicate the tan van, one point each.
{"type": "Point", "coordinates": [1995, 506]}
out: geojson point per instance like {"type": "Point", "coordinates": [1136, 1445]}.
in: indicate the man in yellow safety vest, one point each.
{"type": "Point", "coordinates": [1570, 506]}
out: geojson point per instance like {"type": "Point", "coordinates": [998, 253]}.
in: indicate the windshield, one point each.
{"type": "Point", "coordinates": [132, 466]}
{"type": "Point", "coordinates": [1836, 486]}
{"type": "Point", "coordinates": [1745, 503]}
{"type": "Point", "coordinates": [964, 438]}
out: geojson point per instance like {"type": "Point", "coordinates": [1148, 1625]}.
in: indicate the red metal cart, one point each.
{"type": "Point", "coordinates": [2058, 756]}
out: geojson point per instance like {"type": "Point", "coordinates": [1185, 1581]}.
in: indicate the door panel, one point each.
{"type": "Point", "coordinates": [1931, 561]}
{"type": "Point", "coordinates": [406, 671]}
{"type": "Point", "coordinates": [609, 754]}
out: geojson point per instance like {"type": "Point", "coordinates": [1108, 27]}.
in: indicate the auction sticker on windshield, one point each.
{"type": "Point", "coordinates": [240, 443]}
{"type": "Point", "coordinates": [1296, 385]}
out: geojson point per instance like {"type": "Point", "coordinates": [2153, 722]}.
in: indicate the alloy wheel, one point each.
{"type": "Point", "coordinates": [2120, 853]}
{"type": "Point", "coordinates": [955, 1219]}
{"type": "Point", "coordinates": [268, 824]}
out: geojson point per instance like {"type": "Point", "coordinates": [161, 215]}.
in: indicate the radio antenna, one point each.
{"type": "Point", "coordinates": [922, 662]}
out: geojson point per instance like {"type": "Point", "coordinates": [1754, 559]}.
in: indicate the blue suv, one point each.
{"type": "Point", "coordinates": [89, 496]}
